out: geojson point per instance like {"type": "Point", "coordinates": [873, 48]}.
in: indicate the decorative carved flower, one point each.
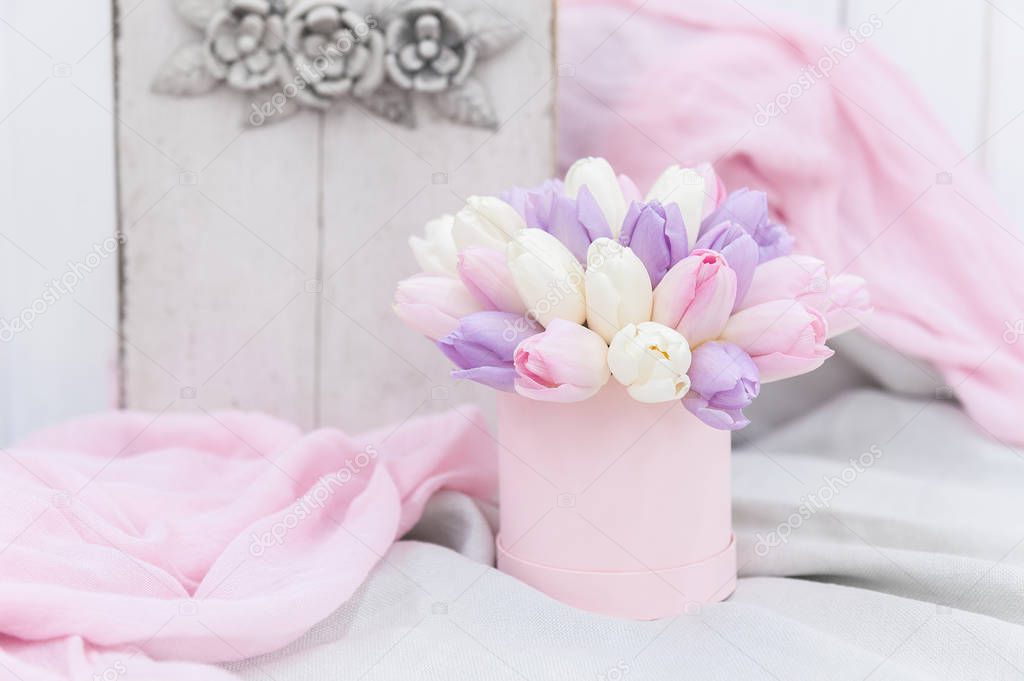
{"type": "Point", "coordinates": [429, 47]}
{"type": "Point", "coordinates": [334, 50]}
{"type": "Point", "coordinates": [244, 43]}
{"type": "Point", "coordinates": [312, 53]}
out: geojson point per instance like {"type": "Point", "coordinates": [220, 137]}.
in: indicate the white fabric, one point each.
{"type": "Point", "coordinates": [914, 569]}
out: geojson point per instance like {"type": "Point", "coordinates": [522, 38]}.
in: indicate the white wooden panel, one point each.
{"type": "Point", "coordinates": [1004, 135]}
{"type": "Point", "coordinates": [382, 184]}
{"type": "Point", "coordinates": [57, 207]}
{"type": "Point", "coordinates": [941, 45]}
{"type": "Point", "coordinates": [221, 239]}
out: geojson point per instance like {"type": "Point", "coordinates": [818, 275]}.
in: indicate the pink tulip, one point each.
{"type": "Point", "coordinates": [565, 363]}
{"type": "Point", "coordinates": [629, 190]}
{"type": "Point", "coordinates": [783, 337]}
{"type": "Point", "coordinates": [485, 273]}
{"type": "Point", "coordinates": [433, 304]}
{"type": "Point", "coordinates": [696, 296]}
{"type": "Point", "coordinates": [846, 301]}
{"type": "Point", "coordinates": [793, 277]}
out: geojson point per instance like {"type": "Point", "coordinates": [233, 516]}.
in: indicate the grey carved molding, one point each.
{"type": "Point", "coordinates": [318, 54]}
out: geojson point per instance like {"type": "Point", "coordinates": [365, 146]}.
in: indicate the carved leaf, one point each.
{"type": "Point", "coordinates": [270, 107]}
{"type": "Point", "coordinates": [198, 12]}
{"type": "Point", "coordinates": [468, 104]}
{"type": "Point", "coordinates": [392, 104]}
{"type": "Point", "coordinates": [185, 73]}
{"type": "Point", "coordinates": [492, 35]}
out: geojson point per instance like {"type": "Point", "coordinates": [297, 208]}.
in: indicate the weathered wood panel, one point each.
{"type": "Point", "coordinates": [221, 231]}
{"type": "Point", "coordinates": [382, 184]}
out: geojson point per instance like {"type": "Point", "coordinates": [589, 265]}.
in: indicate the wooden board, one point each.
{"type": "Point", "coordinates": [381, 184]}
{"type": "Point", "coordinates": [221, 231]}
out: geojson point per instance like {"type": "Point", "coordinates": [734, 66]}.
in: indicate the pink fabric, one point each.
{"type": "Point", "coordinates": [205, 538]}
{"type": "Point", "coordinates": [851, 168]}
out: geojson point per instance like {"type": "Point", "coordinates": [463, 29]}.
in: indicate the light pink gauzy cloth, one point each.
{"type": "Point", "coordinates": [855, 167]}
{"type": "Point", "coordinates": [131, 538]}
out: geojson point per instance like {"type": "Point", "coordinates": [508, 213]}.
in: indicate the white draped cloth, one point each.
{"type": "Point", "coordinates": [880, 536]}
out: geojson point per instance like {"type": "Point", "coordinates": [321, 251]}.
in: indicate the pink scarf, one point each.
{"type": "Point", "coordinates": [857, 166]}
{"type": "Point", "coordinates": [130, 538]}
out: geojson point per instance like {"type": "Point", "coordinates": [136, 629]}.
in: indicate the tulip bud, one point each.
{"type": "Point", "coordinates": [696, 296]}
{"type": "Point", "coordinates": [435, 252]}
{"type": "Point", "coordinates": [697, 192]}
{"type": "Point", "coordinates": [597, 175]}
{"type": "Point", "coordinates": [565, 363]}
{"type": "Point", "coordinates": [618, 289]}
{"type": "Point", "coordinates": [433, 304]}
{"type": "Point", "coordinates": [750, 211]}
{"type": "Point", "coordinates": [575, 222]}
{"type": "Point", "coordinates": [739, 250]}
{"type": "Point", "coordinates": [657, 235]}
{"type": "Point", "coordinates": [784, 338]}
{"type": "Point", "coordinates": [483, 345]}
{"type": "Point", "coordinates": [651, 360]}
{"type": "Point", "coordinates": [723, 381]}
{"type": "Point", "coordinates": [548, 277]}
{"type": "Point", "coordinates": [794, 277]}
{"type": "Point", "coordinates": [485, 273]}
{"type": "Point", "coordinates": [847, 300]}
{"type": "Point", "coordinates": [486, 221]}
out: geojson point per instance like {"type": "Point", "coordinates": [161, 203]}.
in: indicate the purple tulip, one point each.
{"type": "Point", "coordinates": [738, 248]}
{"type": "Point", "coordinates": [657, 235]}
{"type": "Point", "coordinates": [723, 381]}
{"type": "Point", "coordinates": [482, 347]}
{"type": "Point", "coordinates": [575, 222]}
{"type": "Point", "coordinates": [749, 209]}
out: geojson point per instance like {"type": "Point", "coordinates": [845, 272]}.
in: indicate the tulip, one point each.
{"type": "Point", "coordinates": [750, 210]}
{"type": "Point", "coordinates": [486, 221]}
{"type": "Point", "coordinates": [483, 345]}
{"type": "Point", "coordinates": [651, 360]}
{"type": "Point", "coordinates": [847, 301]}
{"type": "Point", "coordinates": [565, 363]}
{"type": "Point", "coordinates": [697, 191]}
{"type": "Point", "coordinates": [548, 277]}
{"type": "Point", "coordinates": [534, 202]}
{"type": "Point", "coordinates": [435, 251]}
{"type": "Point", "coordinates": [485, 273]}
{"type": "Point", "coordinates": [739, 250]}
{"type": "Point", "coordinates": [630, 192]}
{"type": "Point", "coordinates": [657, 235]}
{"type": "Point", "coordinates": [618, 289]}
{"type": "Point", "coordinates": [794, 277]}
{"type": "Point", "coordinates": [696, 296]}
{"type": "Point", "coordinates": [575, 222]}
{"type": "Point", "coordinates": [597, 175]}
{"type": "Point", "coordinates": [723, 381]}
{"type": "Point", "coordinates": [433, 304]}
{"type": "Point", "coordinates": [783, 337]}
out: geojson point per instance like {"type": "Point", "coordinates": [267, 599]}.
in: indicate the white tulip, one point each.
{"type": "Point", "coordinates": [486, 221]}
{"type": "Point", "coordinates": [597, 175]}
{"type": "Point", "coordinates": [435, 251]}
{"type": "Point", "coordinates": [618, 288]}
{"type": "Point", "coordinates": [684, 187]}
{"type": "Point", "coordinates": [548, 277]}
{"type": "Point", "coordinates": [651, 360]}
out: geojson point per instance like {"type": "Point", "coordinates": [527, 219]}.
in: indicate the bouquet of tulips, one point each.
{"type": "Point", "coordinates": [687, 293]}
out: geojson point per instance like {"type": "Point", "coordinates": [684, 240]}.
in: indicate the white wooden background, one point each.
{"type": "Point", "coordinates": [57, 198]}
